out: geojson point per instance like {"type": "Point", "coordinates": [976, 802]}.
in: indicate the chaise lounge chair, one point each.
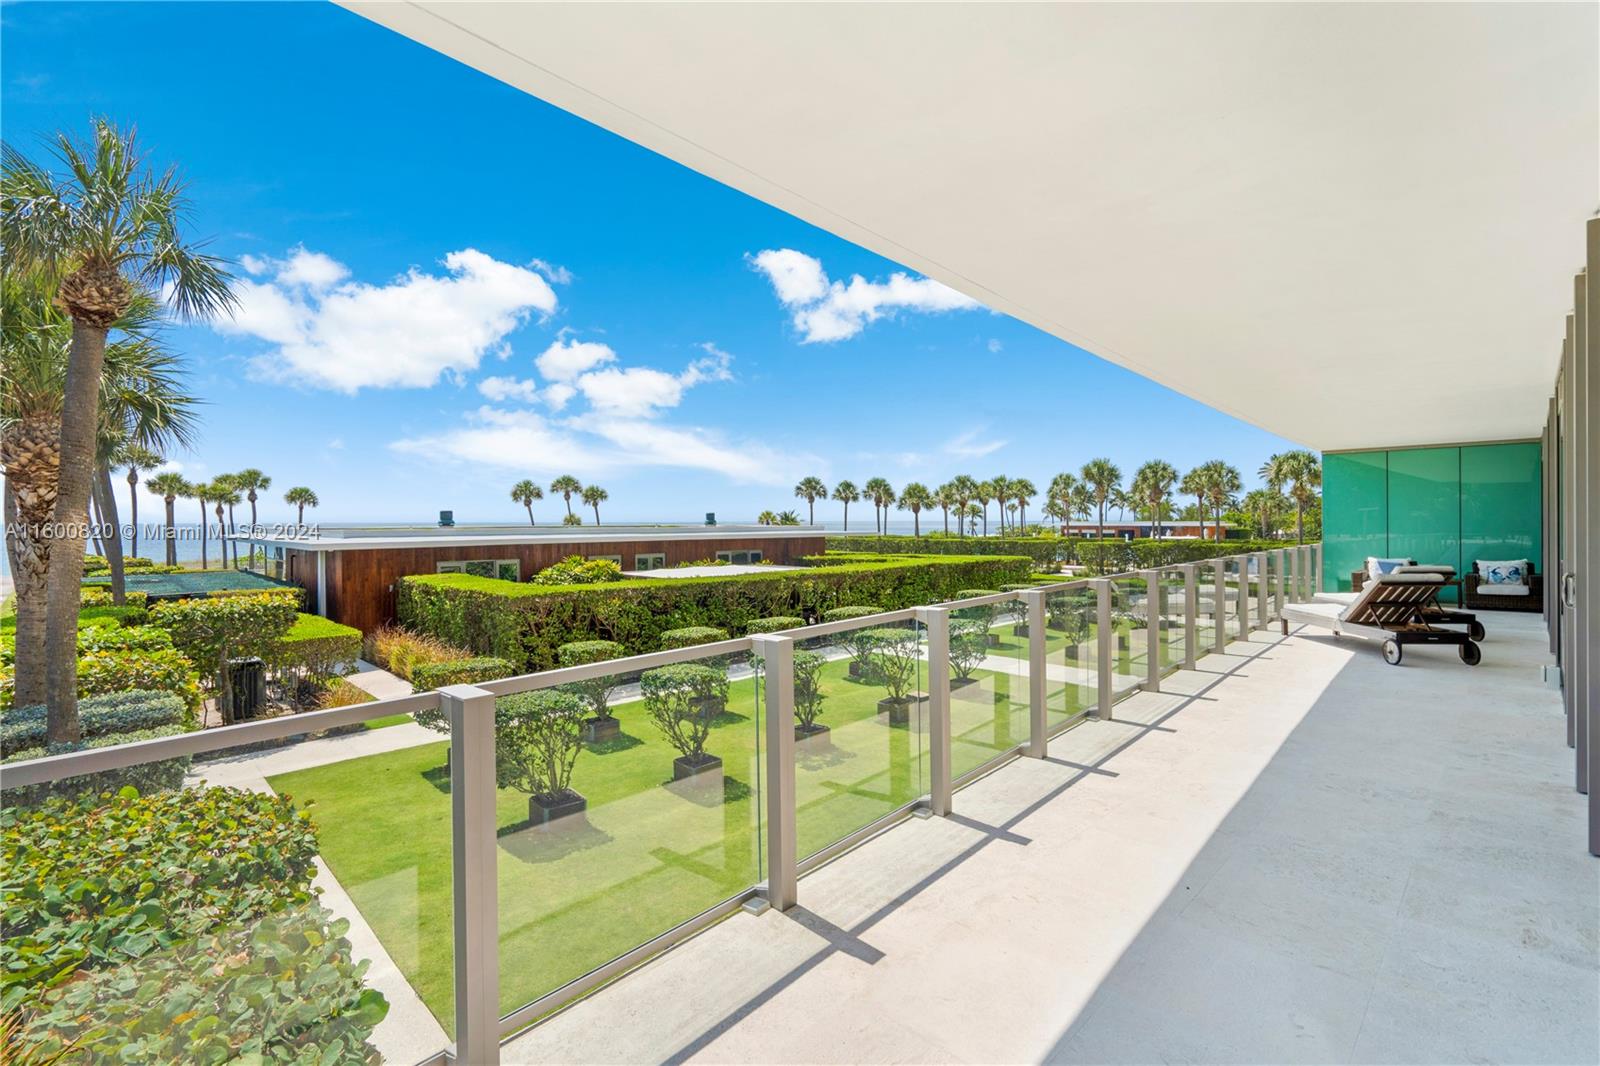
{"type": "Point", "coordinates": [1438, 614]}
{"type": "Point", "coordinates": [1397, 609]}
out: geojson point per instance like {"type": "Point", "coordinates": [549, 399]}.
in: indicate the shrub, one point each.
{"type": "Point", "coordinates": [212, 630]}
{"type": "Point", "coordinates": [117, 659]}
{"type": "Point", "coordinates": [527, 623]}
{"type": "Point", "coordinates": [179, 927]}
{"type": "Point", "coordinates": [98, 716]}
{"type": "Point", "coordinates": [399, 650]}
{"type": "Point", "coordinates": [129, 615]}
{"type": "Point", "coordinates": [460, 672]}
{"type": "Point", "coordinates": [773, 625]}
{"type": "Point", "coordinates": [702, 562]}
{"type": "Point", "coordinates": [95, 596]}
{"type": "Point", "coordinates": [576, 570]}
{"type": "Point", "coordinates": [969, 643]}
{"type": "Point", "coordinates": [983, 614]}
{"type": "Point", "coordinates": [537, 739]}
{"type": "Point", "coordinates": [596, 692]}
{"type": "Point", "coordinates": [808, 695]}
{"type": "Point", "coordinates": [895, 657]}
{"type": "Point", "coordinates": [689, 636]}
{"type": "Point", "coordinates": [342, 694]}
{"type": "Point", "coordinates": [678, 699]}
{"type": "Point", "coordinates": [1049, 550]}
{"type": "Point", "coordinates": [164, 775]}
{"type": "Point", "coordinates": [845, 614]}
{"type": "Point", "coordinates": [315, 648]}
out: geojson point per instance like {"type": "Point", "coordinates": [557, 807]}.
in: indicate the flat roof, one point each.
{"type": "Point", "coordinates": [370, 537]}
{"type": "Point", "coordinates": [194, 583]}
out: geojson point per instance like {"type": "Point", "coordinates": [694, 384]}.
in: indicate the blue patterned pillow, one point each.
{"type": "Point", "coordinates": [1505, 572]}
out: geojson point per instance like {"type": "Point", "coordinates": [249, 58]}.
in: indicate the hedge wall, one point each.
{"type": "Point", "coordinates": [527, 623]}
{"type": "Point", "coordinates": [1103, 556]}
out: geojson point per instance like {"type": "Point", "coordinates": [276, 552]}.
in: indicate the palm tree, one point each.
{"type": "Point", "coordinates": [965, 490]}
{"type": "Point", "coordinates": [1082, 501]}
{"type": "Point", "coordinates": [1121, 499]}
{"type": "Point", "coordinates": [945, 497]}
{"type": "Point", "coordinates": [811, 489]}
{"type": "Point", "coordinates": [200, 490]}
{"type": "Point", "coordinates": [1301, 471]}
{"type": "Point", "coordinates": [105, 228]}
{"type": "Point", "coordinates": [788, 518]}
{"type": "Point", "coordinates": [1263, 506]}
{"type": "Point", "coordinates": [567, 485]}
{"type": "Point", "coordinates": [224, 493]}
{"type": "Point", "coordinates": [1103, 478]}
{"type": "Point", "coordinates": [169, 487]}
{"type": "Point", "coordinates": [525, 492]}
{"type": "Point", "coordinates": [1223, 486]}
{"type": "Point", "coordinates": [914, 497]}
{"type": "Point", "coordinates": [1152, 486]}
{"type": "Point", "coordinates": [300, 497]}
{"type": "Point", "coordinates": [845, 492]}
{"type": "Point", "coordinates": [252, 482]}
{"type": "Point", "coordinates": [767, 518]}
{"type": "Point", "coordinates": [972, 518]}
{"type": "Point", "coordinates": [881, 493]}
{"type": "Point", "coordinates": [1023, 490]}
{"type": "Point", "coordinates": [983, 493]}
{"type": "Point", "coordinates": [1057, 509]}
{"type": "Point", "coordinates": [1000, 488]}
{"type": "Point", "coordinates": [137, 458]}
{"type": "Point", "coordinates": [594, 496]}
{"type": "Point", "coordinates": [1060, 493]}
{"type": "Point", "coordinates": [1196, 483]}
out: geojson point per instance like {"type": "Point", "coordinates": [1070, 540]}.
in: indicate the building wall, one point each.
{"type": "Point", "coordinates": [362, 583]}
{"type": "Point", "coordinates": [1451, 504]}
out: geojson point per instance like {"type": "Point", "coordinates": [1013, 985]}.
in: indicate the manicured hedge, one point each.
{"type": "Point", "coordinates": [117, 659]}
{"type": "Point", "coordinates": [1103, 556]}
{"type": "Point", "coordinates": [165, 775]}
{"type": "Point", "coordinates": [527, 623]}
{"type": "Point", "coordinates": [98, 716]}
{"type": "Point", "coordinates": [460, 672]}
{"type": "Point", "coordinates": [316, 647]}
{"type": "Point", "coordinates": [689, 636]}
{"type": "Point", "coordinates": [179, 927]}
{"type": "Point", "coordinates": [773, 625]}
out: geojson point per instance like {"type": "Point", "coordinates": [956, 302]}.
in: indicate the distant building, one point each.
{"type": "Point", "coordinates": [1177, 529]}
{"type": "Point", "coordinates": [351, 573]}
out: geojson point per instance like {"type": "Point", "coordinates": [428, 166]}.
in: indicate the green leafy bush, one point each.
{"type": "Point", "coordinates": [595, 692]}
{"type": "Point", "coordinates": [576, 570]}
{"type": "Point", "coordinates": [537, 739]}
{"type": "Point", "coordinates": [117, 659]}
{"type": "Point", "coordinates": [895, 657]}
{"type": "Point", "coordinates": [128, 615]}
{"type": "Point", "coordinates": [460, 672]}
{"type": "Point", "coordinates": [98, 716]}
{"type": "Point", "coordinates": [179, 927]}
{"type": "Point", "coordinates": [808, 694]}
{"type": "Point", "coordinates": [969, 643]}
{"type": "Point", "coordinates": [773, 625]}
{"type": "Point", "coordinates": [1108, 556]}
{"type": "Point", "coordinates": [315, 647]}
{"type": "Point", "coordinates": [845, 614]}
{"type": "Point", "coordinates": [680, 700]}
{"type": "Point", "coordinates": [527, 623]}
{"type": "Point", "coordinates": [689, 636]}
{"type": "Point", "coordinates": [164, 775]}
{"type": "Point", "coordinates": [212, 630]}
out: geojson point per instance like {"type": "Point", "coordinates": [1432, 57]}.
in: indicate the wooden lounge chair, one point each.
{"type": "Point", "coordinates": [1438, 614]}
{"type": "Point", "coordinates": [1396, 609]}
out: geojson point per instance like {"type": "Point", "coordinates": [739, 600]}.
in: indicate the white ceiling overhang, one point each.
{"type": "Point", "coordinates": [1349, 224]}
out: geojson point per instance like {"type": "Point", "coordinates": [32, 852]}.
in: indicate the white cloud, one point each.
{"type": "Point", "coordinates": [556, 275]}
{"type": "Point", "coordinates": [502, 389]}
{"type": "Point", "coordinates": [566, 359]}
{"type": "Point", "coordinates": [336, 444]}
{"type": "Point", "coordinates": [640, 392]}
{"type": "Point", "coordinates": [333, 333]}
{"type": "Point", "coordinates": [557, 396]}
{"type": "Point", "coordinates": [826, 310]}
{"type": "Point", "coordinates": [968, 446]}
{"type": "Point", "coordinates": [995, 346]}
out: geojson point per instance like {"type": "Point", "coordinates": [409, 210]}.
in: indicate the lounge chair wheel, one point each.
{"type": "Point", "coordinates": [1471, 654]}
{"type": "Point", "coordinates": [1476, 631]}
{"type": "Point", "coordinates": [1391, 653]}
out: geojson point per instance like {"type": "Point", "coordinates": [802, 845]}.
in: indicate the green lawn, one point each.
{"type": "Point", "coordinates": [653, 855]}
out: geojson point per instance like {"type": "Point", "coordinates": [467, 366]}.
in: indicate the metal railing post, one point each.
{"type": "Point", "coordinates": [1191, 594]}
{"type": "Point", "coordinates": [1292, 555]}
{"type": "Point", "coordinates": [777, 657]}
{"type": "Point", "coordinates": [1219, 610]}
{"type": "Point", "coordinates": [1316, 568]}
{"type": "Point", "coordinates": [1102, 649]}
{"type": "Point", "coordinates": [1305, 572]}
{"type": "Point", "coordinates": [1037, 728]}
{"type": "Point", "coordinates": [1262, 591]}
{"type": "Point", "coordinates": [1277, 581]}
{"type": "Point", "coordinates": [936, 623]}
{"type": "Point", "coordinates": [470, 712]}
{"type": "Point", "coordinates": [1242, 603]}
{"type": "Point", "coordinates": [1152, 630]}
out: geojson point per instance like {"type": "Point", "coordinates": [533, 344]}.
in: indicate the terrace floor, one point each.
{"type": "Point", "coordinates": [1297, 854]}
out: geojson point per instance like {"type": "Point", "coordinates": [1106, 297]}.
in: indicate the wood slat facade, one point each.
{"type": "Point", "coordinates": [362, 582]}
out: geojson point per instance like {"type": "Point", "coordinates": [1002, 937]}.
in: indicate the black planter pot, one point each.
{"type": "Point", "coordinates": [899, 711]}
{"type": "Point", "coordinates": [563, 812]}
{"type": "Point", "coordinates": [815, 737]}
{"type": "Point", "coordinates": [599, 730]}
{"type": "Point", "coordinates": [994, 640]}
{"type": "Point", "coordinates": [1020, 629]}
{"type": "Point", "coordinates": [685, 769]}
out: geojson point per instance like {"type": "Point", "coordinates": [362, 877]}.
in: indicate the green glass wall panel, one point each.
{"type": "Point", "coordinates": [1501, 486]}
{"type": "Point", "coordinates": [1355, 513]}
{"type": "Point", "coordinates": [1425, 506]}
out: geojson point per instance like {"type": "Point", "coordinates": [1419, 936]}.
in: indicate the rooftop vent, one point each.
{"type": "Point", "coordinates": [447, 518]}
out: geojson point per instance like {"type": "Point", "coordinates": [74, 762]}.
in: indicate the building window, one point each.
{"type": "Point", "coordinates": [740, 558]}
{"type": "Point", "coordinates": [504, 569]}
{"type": "Point", "coordinates": [650, 561]}
{"type": "Point", "coordinates": [607, 559]}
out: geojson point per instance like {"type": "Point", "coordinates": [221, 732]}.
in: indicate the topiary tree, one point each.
{"type": "Point", "coordinates": [984, 613]}
{"type": "Point", "coordinates": [676, 698]}
{"type": "Point", "coordinates": [775, 624]}
{"type": "Point", "coordinates": [689, 636]}
{"type": "Point", "coordinates": [808, 694]}
{"type": "Point", "coordinates": [537, 739]}
{"type": "Point", "coordinates": [212, 630]}
{"type": "Point", "coordinates": [844, 614]}
{"type": "Point", "coordinates": [969, 644]}
{"type": "Point", "coordinates": [855, 641]}
{"type": "Point", "coordinates": [595, 692]}
{"type": "Point", "coordinates": [895, 659]}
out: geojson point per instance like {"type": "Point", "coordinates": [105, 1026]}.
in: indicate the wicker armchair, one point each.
{"type": "Point", "coordinates": [1474, 600]}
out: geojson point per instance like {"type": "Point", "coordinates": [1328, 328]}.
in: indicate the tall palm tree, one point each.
{"type": "Point", "coordinates": [1197, 483]}
{"type": "Point", "coordinates": [1000, 489]}
{"type": "Point", "coordinates": [252, 483]}
{"type": "Point", "coordinates": [1057, 509]}
{"type": "Point", "coordinates": [103, 228]}
{"type": "Point", "coordinates": [1023, 490]}
{"type": "Point", "coordinates": [1103, 478]}
{"type": "Point", "coordinates": [1263, 506]}
{"type": "Point", "coordinates": [1301, 472]}
{"type": "Point", "coordinates": [138, 459]}
{"type": "Point", "coordinates": [811, 489]}
{"type": "Point", "coordinates": [525, 492]}
{"type": "Point", "coordinates": [881, 493]}
{"type": "Point", "coordinates": [973, 512]}
{"type": "Point", "coordinates": [965, 489]}
{"type": "Point", "coordinates": [169, 487]}
{"type": "Point", "coordinates": [1223, 485]}
{"type": "Point", "coordinates": [1060, 493]}
{"type": "Point", "coordinates": [983, 493]}
{"type": "Point", "coordinates": [201, 490]}
{"type": "Point", "coordinates": [594, 496]}
{"type": "Point", "coordinates": [914, 497]}
{"type": "Point", "coordinates": [945, 497]}
{"type": "Point", "coordinates": [225, 494]}
{"type": "Point", "coordinates": [300, 497]}
{"type": "Point", "coordinates": [568, 486]}
{"type": "Point", "coordinates": [845, 492]}
{"type": "Point", "coordinates": [1152, 487]}
{"type": "Point", "coordinates": [1082, 501]}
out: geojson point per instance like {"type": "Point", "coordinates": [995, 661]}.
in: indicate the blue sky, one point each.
{"type": "Point", "coordinates": [448, 285]}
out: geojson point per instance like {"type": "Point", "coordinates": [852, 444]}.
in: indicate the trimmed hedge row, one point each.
{"type": "Point", "coordinates": [527, 623]}
{"type": "Point", "coordinates": [1103, 556]}
{"type": "Point", "coordinates": [148, 778]}
{"type": "Point", "coordinates": [425, 676]}
{"type": "Point", "coordinates": [98, 716]}
{"type": "Point", "coordinates": [316, 647]}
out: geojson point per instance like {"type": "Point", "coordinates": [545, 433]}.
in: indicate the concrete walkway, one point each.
{"type": "Point", "coordinates": [1297, 854]}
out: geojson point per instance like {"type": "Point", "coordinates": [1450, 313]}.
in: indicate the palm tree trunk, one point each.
{"type": "Point", "coordinates": [529, 506]}
{"type": "Point", "coordinates": [847, 517]}
{"type": "Point", "coordinates": [916, 523]}
{"type": "Point", "coordinates": [172, 534]}
{"type": "Point", "coordinates": [80, 418]}
{"type": "Point", "coordinates": [133, 509]}
{"type": "Point", "coordinates": [946, 520]}
{"type": "Point", "coordinates": [597, 514]}
{"type": "Point", "coordinates": [30, 571]}
{"type": "Point", "coordinates": [94, 526]}
{"type": "Point", "coordinates": [105, 501]}
{"type": "Point", "coordinates": [300, 517]}
{"type": "Point", "coordinates": [205, 564]}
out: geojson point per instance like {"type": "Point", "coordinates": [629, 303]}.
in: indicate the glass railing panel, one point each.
{"type": "Point", "coordinates": [866, 755]}
{"type": "Point", "coordinates": [605, 844]}
{"type": "Point", "coordinates": [1071, 668]}
{"type": "Point", "coordinates": [145, 899]}
{"type": "Point", "coordinates": [1130, 619]}
{"type": "Point", "coordinates": [989, 646]}
{"type": "Point", "coordinates": [1173, 604]}
{"type": "Point", "coordinates": [1230, 601]}
{"type": "Point", "coordinates": [1205, 608]}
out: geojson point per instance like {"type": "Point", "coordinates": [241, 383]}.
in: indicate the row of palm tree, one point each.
{"type": "Point", "coordinates": [223, 491]}
{"type": "Point", "coordinates": [1095, 488]}
{"type": "Point", "coordinates": [527, 491]}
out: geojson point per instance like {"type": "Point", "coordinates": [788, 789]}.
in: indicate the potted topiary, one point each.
{"type": "Point", "coordinates": [676, 697]}
{"type": "Point", "coordinates": [808, 699]}
{"type": "Point", "coordinates": [537, 739]}
{"type": "Point", "coordinates": [1069, 615]}
{"type": "Point", "coordinates": [895, 657]}
{"type": "Point", "coordinates": [596, 692]}
{"type": "Point", "coordinates": [984, 614]}
{"type": "Point", "coordinates": [968, 646]}
{"type": "Point", "coordinates": [860, 668]}
{"type": "Point", "coordinates": [1021, 628]}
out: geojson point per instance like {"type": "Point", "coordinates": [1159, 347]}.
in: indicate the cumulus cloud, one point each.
{"type": "Point", "coordinates": [502, 389]}
{"type": "Point", "coordinates": [559, 395]}
{"type": "Point", "coordinates": [331, 332]}
{"type": "Point", "coordinates": [824, 310]}
{"type": "Point", "coordinates": [565, 359]}
{"type": "Point", "coordinates": [995, 346]}
{"type": "Point", "coordinates": [640, 392]}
